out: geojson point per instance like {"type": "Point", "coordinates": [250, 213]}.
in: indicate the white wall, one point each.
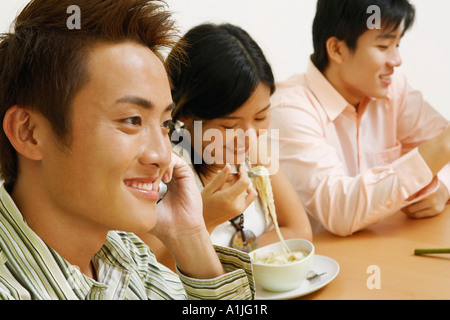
{"type": "Point", "coordinates": [283, 30]}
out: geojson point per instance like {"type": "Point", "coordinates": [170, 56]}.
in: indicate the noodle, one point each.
{"type": "Point", "coordinates": [279, 258]}
{"type": "Point", "coordinates": [264, 187]}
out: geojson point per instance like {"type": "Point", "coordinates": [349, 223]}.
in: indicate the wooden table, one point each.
{"type": "Point", "coordinates": [389, 245]}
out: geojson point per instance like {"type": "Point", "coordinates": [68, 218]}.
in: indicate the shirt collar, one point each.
{"type": "Point", "coordinates": [30, 245]}
{"type": "Point", "coordinates": [331, 100]}
{"type": "Point", "coordinates": [113, 261]}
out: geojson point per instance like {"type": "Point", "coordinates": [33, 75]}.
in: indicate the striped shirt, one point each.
{"type": "Point", "coordinates": [126, 269]}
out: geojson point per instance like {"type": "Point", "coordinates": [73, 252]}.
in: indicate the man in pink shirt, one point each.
{"type": "Point", "coordinates": [357, 142]}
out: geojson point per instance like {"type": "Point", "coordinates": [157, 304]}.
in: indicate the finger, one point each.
{"type": "Point", "coordinates": [242, 176]}
{"type": "Point", "coordinates": [251, 195]}
{"type": "Point", "coordinates": [240, 186]}
{"type": "Point", "coordinates": [421, 209]}
{"type": "Point", "coordinates": [425, 213]}
{"type": "Point", "coordinates": [416, 207]}
{"type": "Point", "coordinates": [218, 181]}
{"type": "Point", "coordinates": [167, 176]}
{"type": "Point", "coordinates": [243, 170]}
{"type": "Point", "coordinates": [179, 168]}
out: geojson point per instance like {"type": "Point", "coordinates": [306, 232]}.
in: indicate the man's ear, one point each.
{"type": "Point", "coordinates": [336, 49]}
{"type": "Point", "coordinates": [19, 126]}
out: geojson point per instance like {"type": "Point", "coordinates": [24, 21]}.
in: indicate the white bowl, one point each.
{"type": "Point", "coordinates": [279, 278]}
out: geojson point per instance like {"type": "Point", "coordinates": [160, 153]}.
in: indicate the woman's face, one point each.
{"type": "Point", "coordinates": [230, 139]}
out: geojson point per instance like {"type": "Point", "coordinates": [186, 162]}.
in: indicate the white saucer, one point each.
{"type": "Point", "coordinates": [320, 264]}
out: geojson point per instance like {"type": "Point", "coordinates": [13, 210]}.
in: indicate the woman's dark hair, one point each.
{"type": "Point", "coordinates": [215, 73]}
{"type": "Point", "coordinates": [347, 20]}
{"type": "Point", "coordinates": [222, 67]}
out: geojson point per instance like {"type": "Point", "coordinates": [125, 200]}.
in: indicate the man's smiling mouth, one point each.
{"type": "Point", "coordinates": [148, 188]}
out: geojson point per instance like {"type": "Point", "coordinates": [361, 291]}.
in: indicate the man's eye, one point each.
{"type": "Point", "coordinates": [168, 124]}
{"type": "Point", "coordinates": [136, 121]}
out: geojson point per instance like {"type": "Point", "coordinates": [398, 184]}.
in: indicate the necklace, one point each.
{"type": "Point", "coordinates": [243, 239]}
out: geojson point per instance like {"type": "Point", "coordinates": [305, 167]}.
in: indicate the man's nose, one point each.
{"type": "Point", "coordinates": [395, 60]}
{"type": "Point", "coordinates": [156, 150]}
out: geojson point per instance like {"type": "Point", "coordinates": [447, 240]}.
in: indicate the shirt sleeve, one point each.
{"type": "Point", "coordinates": [341, 203]}
{"type": "Point", "coordinates": [236, 284]}
{"type": "Point", "coordinates": [418, 122]}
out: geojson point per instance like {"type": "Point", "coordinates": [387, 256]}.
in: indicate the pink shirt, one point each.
{"type": "Point", "coordinates": [350, 168]}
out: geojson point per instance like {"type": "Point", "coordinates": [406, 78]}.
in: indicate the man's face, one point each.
{"type": "Point", "coordinates": [367, 71]}
{"type": "Point", "coordinates": [108, 177]}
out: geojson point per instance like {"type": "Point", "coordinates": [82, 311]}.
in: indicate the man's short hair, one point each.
{"type": "Point", "coordinates": [43, 61]}
{"type": "Point", "coordinates": [347, 20]}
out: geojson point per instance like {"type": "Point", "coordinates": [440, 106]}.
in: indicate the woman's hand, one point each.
{"type": "Point", "coordinates": [226, 196]}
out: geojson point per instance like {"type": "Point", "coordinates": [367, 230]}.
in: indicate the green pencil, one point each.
{"type": "Point", "coordinates": [431, 251]}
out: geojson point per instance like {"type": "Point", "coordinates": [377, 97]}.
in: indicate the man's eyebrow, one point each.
{"type": "Point", "coordinates": [135, 100]}
{"type": "Point", "coordinates": [170, 107]}
{"type": "Point", "coordinates": [142, 102]}
{"type": "Point", "coordinates": [387, 36]}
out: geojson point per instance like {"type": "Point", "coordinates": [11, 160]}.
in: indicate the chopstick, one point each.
{"type": "Point", "coordinates": [431, 251]}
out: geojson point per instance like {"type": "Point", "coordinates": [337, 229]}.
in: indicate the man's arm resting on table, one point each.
{"type": "Point", "coordinates": [237, 283]}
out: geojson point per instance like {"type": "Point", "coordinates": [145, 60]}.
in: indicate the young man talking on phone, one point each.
{"type": "Point", "coordinates": [84, 144]}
